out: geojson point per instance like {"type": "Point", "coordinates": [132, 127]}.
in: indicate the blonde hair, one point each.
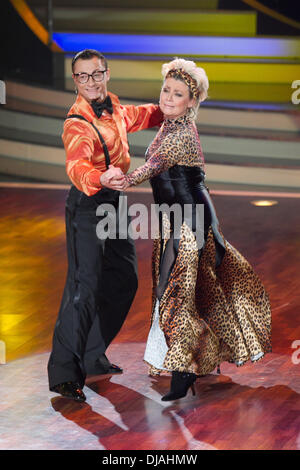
{"type": "Point", "coordinates": [198, 74]}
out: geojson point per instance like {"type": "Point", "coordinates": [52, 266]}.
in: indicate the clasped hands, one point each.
{"type": "Point", "coordinates": [114, 178]}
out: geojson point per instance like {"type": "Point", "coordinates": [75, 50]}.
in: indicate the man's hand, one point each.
{"type": "Point", "coordinates": [113, 178]}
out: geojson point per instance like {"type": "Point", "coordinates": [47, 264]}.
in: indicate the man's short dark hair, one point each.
{"type": "Point", "coordinates": [88, 54]}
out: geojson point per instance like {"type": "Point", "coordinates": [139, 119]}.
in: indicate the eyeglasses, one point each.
{"type": "Point", "coordinates": [96, 76]}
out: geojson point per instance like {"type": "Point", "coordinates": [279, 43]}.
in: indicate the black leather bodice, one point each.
{"type": "Point", "coordinates": [179, 184]}
{"type": "Point", "coordinates": [182, 185]}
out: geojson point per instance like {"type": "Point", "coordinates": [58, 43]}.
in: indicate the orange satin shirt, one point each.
{"type": "Point", "coordinates": [85, 160]}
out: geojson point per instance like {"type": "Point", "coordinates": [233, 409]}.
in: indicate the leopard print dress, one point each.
{"type": "Point", "coordinates": [209, 312]}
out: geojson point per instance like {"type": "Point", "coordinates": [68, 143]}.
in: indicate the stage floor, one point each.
{"type": "Point", "coordinates": [256, 406]}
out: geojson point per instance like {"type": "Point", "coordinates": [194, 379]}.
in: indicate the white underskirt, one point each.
{"type": "Point", "coordinates": [156, 347]}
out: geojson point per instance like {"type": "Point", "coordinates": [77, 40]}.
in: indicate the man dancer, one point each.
{"type": "Point", "coordinates": [102, 273]}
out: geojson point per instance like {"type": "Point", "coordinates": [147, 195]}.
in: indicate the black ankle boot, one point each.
{"type": "Point", "coordinates": [180, 383]}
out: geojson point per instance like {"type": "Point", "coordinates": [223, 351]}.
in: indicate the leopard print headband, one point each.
{"type": "Point", "coordinates": [187, 79]}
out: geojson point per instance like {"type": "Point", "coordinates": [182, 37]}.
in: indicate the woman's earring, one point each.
{"type": "Point", "coordinates": [76, 91]}
{"type": "Point", "coordinates": [191, 112]}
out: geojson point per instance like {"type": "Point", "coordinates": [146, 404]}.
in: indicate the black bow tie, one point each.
{"type": "Point", "coordinates": [98, 108]}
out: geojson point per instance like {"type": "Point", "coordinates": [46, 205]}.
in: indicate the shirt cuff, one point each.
{"type": "Point", "coordinates": [94, 178]}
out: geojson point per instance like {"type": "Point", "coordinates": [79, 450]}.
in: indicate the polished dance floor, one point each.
{"type": "Point", "coordinates": [256, 406]}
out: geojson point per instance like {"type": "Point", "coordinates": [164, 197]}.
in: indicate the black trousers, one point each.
{"type": "Point", "coordinates": [100, 286]}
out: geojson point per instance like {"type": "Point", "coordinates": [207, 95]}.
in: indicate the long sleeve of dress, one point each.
{"type": "Point", "coordinates": [170, 152]}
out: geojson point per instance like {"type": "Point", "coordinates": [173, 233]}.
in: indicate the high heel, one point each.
{"type": "Point", "coordinates": [180, 384]}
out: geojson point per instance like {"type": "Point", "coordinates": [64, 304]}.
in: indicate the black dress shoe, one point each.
{"type": "Point", "coordinates": [70, 390]}
{"type": "Point", "coordinates": [100, 368]}
{"type": "Point", "coordinates": [114, 369]}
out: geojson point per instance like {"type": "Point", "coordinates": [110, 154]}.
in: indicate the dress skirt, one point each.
{"type": "Point", "coordinates": [214, 307]}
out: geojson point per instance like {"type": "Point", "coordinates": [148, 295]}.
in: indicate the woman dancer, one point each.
{"type": "Point", "coordinates": [208, 304]}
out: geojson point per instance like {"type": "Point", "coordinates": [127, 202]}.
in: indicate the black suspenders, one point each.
{"type": "Point", "coordinates": [106, 153]}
